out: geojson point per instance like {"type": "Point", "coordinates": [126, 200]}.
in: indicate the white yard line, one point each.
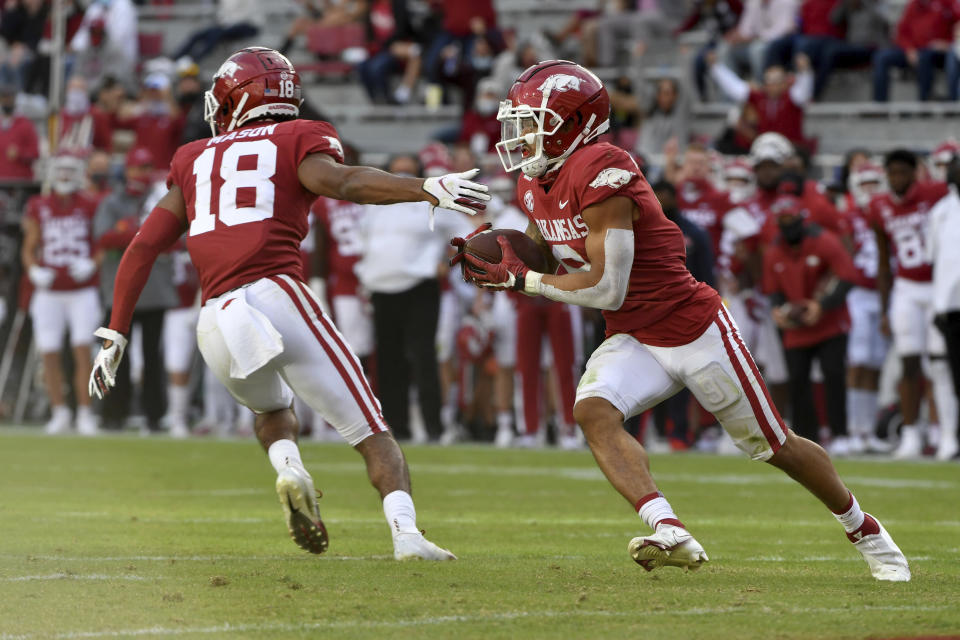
{"type": "Point", "coordinates": [442, 620]}
{"type": "Point", "coordinates": [74, 576]}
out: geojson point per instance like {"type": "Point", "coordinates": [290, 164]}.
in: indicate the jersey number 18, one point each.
{"type": "Point", "coordinates": [234, 178]}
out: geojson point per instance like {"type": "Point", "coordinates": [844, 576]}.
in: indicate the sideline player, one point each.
{"type": "Point", "coordinates": [56, 253]}
{"type": "Point", "coordinates": [243, 197]}
{"type": "Point", "coordinates": [588, 202]}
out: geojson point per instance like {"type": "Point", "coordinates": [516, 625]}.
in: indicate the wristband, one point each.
{"type": "Point", "coordinates": [531, 283]}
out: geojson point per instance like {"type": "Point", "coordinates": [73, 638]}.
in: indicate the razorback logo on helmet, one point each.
{"type": "Point", "coordinates": [560, 82]}
{"type": "Point", "coordinates": [228, 69]}
{"type": "Point", "coordinates": [528, 200]}
{"type": "Point", "coordinates": [613, 178]}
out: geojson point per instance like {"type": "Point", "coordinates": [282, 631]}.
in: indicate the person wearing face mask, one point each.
{"type": "Point", "coordinates": [117, 221]}
{"type": "Point", "coordinates": [157, 122]}
{"type": "Point", "coordinates": [19, 143]}
{"type": "Point", "coordinates": [807, 274]}
{"type": "Point", "coordinates": [190, 101]}
{"type": "Point", "coordinates": [83, 127]}
{"type": "Point", "coordinates": [98, 175]}
{"type": "Point", "coordinates": [57, 254]}
{"type": "Point", "coordinates": [480, 127]}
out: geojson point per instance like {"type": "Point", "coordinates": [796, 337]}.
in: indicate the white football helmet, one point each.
{"type": "Point", "coordinates": [67, 174]}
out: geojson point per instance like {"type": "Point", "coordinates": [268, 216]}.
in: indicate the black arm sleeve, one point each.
{"type": "Point", "coordinates": [836, 295]}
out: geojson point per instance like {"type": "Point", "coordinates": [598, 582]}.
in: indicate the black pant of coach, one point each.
{"type": "Point", "coordinates": [831, 354]}
{"type": "Point", "coordinates": [949, 325]}
{"type": "Point", "coordinates": [153, 397]}
{"type": "Point", "coordinates": [405, 329]}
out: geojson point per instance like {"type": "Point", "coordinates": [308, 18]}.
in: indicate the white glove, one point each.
{"type": "Point", "coordinates": [104, 374]}
{"type": "Point", "coordinates": [319, 288]}
{"type": "Point", "coordinates": [41, 277]}
{"type": "Point", "coordinates": [455, 191]}
{"type": "Point", "coordinates": [81, 269]}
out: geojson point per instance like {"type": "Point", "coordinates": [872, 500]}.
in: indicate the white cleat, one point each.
{"type": "Point", "coordinates": [948, 447]}
{"type": "Point", "coordinates": [299, 501]}
{"type": "Point", "coordinates": [179, 430]}
{"type": "Point", "coordinates": [87, 422]}
{"type": "Point", "coordinates": [670, 546]}
{"type": "Point", "coordinates": [911, 444]}
{"type": "Point", "coordinates": [571, 442]}
{"type": "Point", "coordinates": [59, 422]}
{"type": "Point", "coordinates": [413, 546]}
{"type": "Point", "coordinates": [504, 438]}
{"type": "Point", "coordinates": [882, 554]}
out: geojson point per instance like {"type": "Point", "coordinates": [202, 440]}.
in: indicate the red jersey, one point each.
{"type": "Point", "coordinates": [816, 210]}
{"type": "Point", "coordinates": [704, 206]}
{"type": "Point", "coordinates": [924, 21]}
{"type": "Point", "coordinates": [246, 207]}
{"type": "Point", "coordinates": [664, 306]}
{"type": "Point", "coordinates": [185, 279]}
{"type": "Point", "coordinates": [904, 220]}
{"type": "Point", "coordinates": [66, 235]}
{"type": "Point", "coordinates": [797, 273]}
{"type": "Point", "coordinates": [779, 114]}
{"type": "Point", "coordinates": [340, 222]}
{"type": "Point", "coordinates": [19, 147]}
{"type": "Point", "coordinates": [160, 133]}
{"type": "Point", "coordinates": [83, 131]}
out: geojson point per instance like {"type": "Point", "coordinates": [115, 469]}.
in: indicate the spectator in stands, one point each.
{"type": "Point", "coordinates": [189, 95]}
{"type": "Point", "coordinates": [762, 22]}
{"type": "Point", "coordinates": [236, 20]}
{"type": "Point", "coordinates": [57, 256]}
{"type": "Point", "coordinates": [156, 120]}
{"type": "Point", "coordinates": [866, 30]}
{"type": "Point", "coordinates": [399, 266]}
{"type": "Point", "coordinates": [953, 66]}
{"type": "Point", "coordinates": [19, 143]}
{"type": "Point", "coordinates": [815, 30]}
{"type": "Point", "coordinates": [106, 44]}
{"type": "Point", "coordinates": [668, 118]}
{"type": "Point", "coordinates": [807, 273]}
{"type": "Point", "coordinates": [393, 47]}
{"type": "Point", "coordinates": [943, 237]}
{"type": "Point", "coordinates": [637, 22]}
{"type": "Point", "coordinates": [83, 127]}
{"type": "Point", "coordinates": [324, 13]}
{"type": "Point", "coordinates": [467, 42]}
{"type": "Point", "coordinates": [98, 175]}
{"type": "Point", "coordinates": [116, 223]}
{"type": "Point", "coordinates": [625, 112]}
{"type": "Point", "coordinates": [479, 127]}
{"type": "Point", "coordinates": [923, 37]}
{"type": "Point", "coordinates": [517, 57]}
{"type": "Point", "coordinates": [717, 18]}
{"type": "Point", "coordinates": [20, 32]}
{"type": "Point", "coordinates": [779, 103]}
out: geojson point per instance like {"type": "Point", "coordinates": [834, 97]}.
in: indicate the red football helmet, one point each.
{"type": "Point", "coordinates": [554, 106]}
{"type": "Point", "coordinates": [253, 83]}
{"type": "Point", "coordinates": [941, 157]}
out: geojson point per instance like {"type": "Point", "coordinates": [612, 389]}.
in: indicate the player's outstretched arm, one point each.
{"type": "Point", "coordinates": [609, 247]}
{"type": "Point", "coordinates": [322, 175]}
{"type": "Point", "coordinates": [162, 228]}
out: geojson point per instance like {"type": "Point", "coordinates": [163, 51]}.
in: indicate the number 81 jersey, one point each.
{"type": "Point", "coordinates": [246, 209]}
{"type": "Point", "coordinates": [905, 221]}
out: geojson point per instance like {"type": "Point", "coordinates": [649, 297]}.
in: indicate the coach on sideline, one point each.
{"type": "Point", "coordinates": [943, 238]}
{"type": "Point", "coordinates": [807, 273]}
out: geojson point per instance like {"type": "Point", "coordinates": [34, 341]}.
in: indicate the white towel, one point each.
{"type": "Point", "coordinates": [251, 338]}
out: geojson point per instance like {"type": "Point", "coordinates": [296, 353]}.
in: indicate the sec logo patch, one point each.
{"type": "Point", "coordinates": [528, 200]}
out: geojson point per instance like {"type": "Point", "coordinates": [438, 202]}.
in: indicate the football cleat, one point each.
{"type": "Point", "coordinates": [299, 501]}
{"type": "Point", "coordinates": [669, 546]}
{"type": "Point", "coordinates": [87, 422]}
{"type": "Point", "coordinates": [413, 546]}
{"type": "Point", "coordinates": [882, 554]}
{"type": "Point", "coordinates": [59, 422]}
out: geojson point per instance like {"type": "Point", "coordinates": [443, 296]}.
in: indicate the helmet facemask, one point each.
{"type": "Point", "coordinates": [67, 175]}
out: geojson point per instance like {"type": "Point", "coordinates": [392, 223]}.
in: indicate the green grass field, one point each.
{"type": "Point", "coordinates": [122, 536]}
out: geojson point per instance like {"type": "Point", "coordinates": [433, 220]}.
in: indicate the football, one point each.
{"type": "Point", "coordinates": [484, 246]}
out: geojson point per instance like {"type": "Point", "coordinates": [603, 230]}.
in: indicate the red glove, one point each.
{"type": "Point", "coordinates": [460, 243]}
{"type": "Point", "coordinates": [509, 273]}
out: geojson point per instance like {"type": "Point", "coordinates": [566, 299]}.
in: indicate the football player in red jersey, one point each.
{"type": "Point", "coordinates": [243, 198]}
{"type": "Point", "coordinates": [57, 256]}
{"type": "Point", "coordinates": [900, 219]}
{"type": "Point", "coordinates": [590, 205]}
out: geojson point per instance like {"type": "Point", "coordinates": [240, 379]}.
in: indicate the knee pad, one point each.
{"type": "Point", "coordinates": [713, 387]}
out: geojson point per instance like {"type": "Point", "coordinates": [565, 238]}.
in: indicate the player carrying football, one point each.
{"type": "Point", "coordinates": [243, 196]}
{"type": "Point", "coordinates": [588, 202]}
